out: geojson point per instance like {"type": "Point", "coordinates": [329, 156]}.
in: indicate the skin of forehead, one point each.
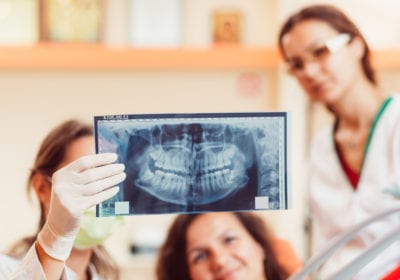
{"type": "Point", "coordinates": [213, 220]}
{"type": "Point", "coordinates": [79, 147]}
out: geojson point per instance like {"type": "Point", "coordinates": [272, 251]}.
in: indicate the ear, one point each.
{"type": "Point", "coordinates": [358, 47]}
{"type": "Point", "coordinates": [42, 187]}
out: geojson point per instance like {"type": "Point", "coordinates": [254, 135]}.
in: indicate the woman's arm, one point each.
{"type": "Point", "coordinates": [76, 187]}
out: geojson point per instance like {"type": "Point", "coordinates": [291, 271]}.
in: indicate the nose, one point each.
{"type": "Point", "coordinates": [219, 259]}
{"type": "Point", "coordinates": [311, 68]}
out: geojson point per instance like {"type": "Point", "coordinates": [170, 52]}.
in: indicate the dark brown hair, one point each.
{"type": "Point", "coordinates": [50, 155]}
{"type": "Point", "coordinates": [172, 262]}
{"type": "Point", "coordinates": [338, 21]}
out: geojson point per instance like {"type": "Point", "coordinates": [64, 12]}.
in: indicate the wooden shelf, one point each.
{"type": "Point", "coordinates": [386, 59]}
{"type": "Point", "coordinates": [96, 56]}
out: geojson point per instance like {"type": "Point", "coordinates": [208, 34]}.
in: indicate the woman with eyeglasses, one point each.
{"type": "Point", "coordinates": [355, 162]}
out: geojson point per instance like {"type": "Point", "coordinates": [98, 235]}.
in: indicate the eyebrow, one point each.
{"type": "Point", "coordinates": [316, 45]}
{"type": "Point", "coordinates": [330, 45]}
{"type": "Point", "coordinates": [219, 236]}
{"type": "Point", "coordinates": [308, 48]}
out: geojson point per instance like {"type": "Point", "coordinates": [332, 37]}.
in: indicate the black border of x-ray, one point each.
{"type": "Point", "coordinates": [122, 117]}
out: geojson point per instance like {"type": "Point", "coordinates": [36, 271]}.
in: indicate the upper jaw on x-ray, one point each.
{"type": "Point", "coordinates": [196, 163]}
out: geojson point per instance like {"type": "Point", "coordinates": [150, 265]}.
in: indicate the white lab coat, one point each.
{"type": "Point", "coordinates": [30, 268]}
{"type": "Point", "coordinates": [335, 206]}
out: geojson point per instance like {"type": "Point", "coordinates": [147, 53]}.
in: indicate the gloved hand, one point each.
{"type": "Point", "coordinates": [77, 187]}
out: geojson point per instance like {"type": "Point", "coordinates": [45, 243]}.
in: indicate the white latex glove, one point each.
{"type": "Point", "coordinates": [77, 187]}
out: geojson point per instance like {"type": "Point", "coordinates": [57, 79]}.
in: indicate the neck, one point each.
{"type": "Point", "coordinates": [358, 108]}
{"type": "Point", "coordinates": [79, 262]}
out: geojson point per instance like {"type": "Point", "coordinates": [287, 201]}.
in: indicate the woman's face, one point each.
{"type": "Point", "coordinates": [324, 75]}
{"type": "Point", "coordinates": [220, 248]}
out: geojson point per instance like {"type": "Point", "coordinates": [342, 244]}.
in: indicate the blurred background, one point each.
{"type": "Point", "coordinates": [63, 59]}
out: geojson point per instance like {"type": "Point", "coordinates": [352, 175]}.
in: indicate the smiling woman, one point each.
{"type": "Point", "coordinates": [223, 245]}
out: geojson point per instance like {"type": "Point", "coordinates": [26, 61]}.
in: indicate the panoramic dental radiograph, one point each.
{"type": "Point", "coordinates": [192, 165]}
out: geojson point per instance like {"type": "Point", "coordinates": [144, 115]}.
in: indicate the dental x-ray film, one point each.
{"type": "Point", "coordinates": [188, 163]}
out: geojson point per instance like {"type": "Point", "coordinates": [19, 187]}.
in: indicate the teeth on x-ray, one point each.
{"type": "Point", "coordinates": [202, 171]}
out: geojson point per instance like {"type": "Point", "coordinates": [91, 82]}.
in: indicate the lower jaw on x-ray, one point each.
{"type": "Point", "coordinates": [196, 166]}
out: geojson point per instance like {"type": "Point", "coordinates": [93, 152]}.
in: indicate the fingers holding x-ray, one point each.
{"type": "Point", "coordinates": [104, 183]}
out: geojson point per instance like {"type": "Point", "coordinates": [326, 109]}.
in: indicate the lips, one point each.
{"type": "Point", "coordinates": [317, 87]}
{"type": "Point", "coordinates": [228, 274]}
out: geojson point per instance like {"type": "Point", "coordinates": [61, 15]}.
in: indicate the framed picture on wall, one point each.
{"type": "Point", "coordinates": [185, 163]}
{"type": "Point", "coordinates": [71, 20]}
{"type": "Point", "coordinates": [18, 22]}
{"type": "Point", "coordinates": [227, 26]}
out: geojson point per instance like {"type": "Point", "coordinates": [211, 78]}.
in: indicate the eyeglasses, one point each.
{"type": "Point", "coordinates": [296, 66]}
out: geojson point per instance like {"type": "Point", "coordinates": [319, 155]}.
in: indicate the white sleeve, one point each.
{"type": "Point", "coordinates": [27, 268]}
